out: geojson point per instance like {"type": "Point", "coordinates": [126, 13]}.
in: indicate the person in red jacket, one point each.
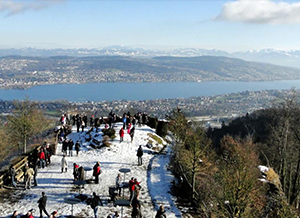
{"type": "Point", "coordinates": [121, 134]}
{"type": "Point", "coordinates": [96, 172]}
{"type": "Point", "coordinates": [128, 128]}
{"type": "Point", "coordinates": [42, 158]}
{"type": "Point", "coordinates": [132, 183]}
{"type": "Point", "coordinates": [28, 214]}
{"type": "Point", "coordinates": [53, 214]}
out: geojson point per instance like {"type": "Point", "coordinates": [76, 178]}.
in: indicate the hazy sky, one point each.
{"type": "Point", "coordinates": [236, 25]}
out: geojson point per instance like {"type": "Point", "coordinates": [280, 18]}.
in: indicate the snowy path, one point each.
{"type": "Point", "coordinates": [57, 186]}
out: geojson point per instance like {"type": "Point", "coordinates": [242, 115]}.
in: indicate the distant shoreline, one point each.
{"type": "Point", "coordinates": [140, 91]}
{"type": "Point", "coordinates": [26, 87]}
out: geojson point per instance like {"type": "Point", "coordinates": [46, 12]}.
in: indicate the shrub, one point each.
{"type": "Point", "coordinates": [109, 132]}
{"type": "Point", "coordinates": [152, 123]}
{"type": "Point", "coordinates": [162, 128]}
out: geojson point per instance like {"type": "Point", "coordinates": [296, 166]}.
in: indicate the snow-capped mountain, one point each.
{"type": "Point", "coordinates": [279, 57]}
{"type": "Point", "coordinates": [114, 50]}
{"type": "Point", "coordinates": [289, 58]}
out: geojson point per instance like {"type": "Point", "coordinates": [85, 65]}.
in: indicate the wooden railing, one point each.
{"type": "Point", "coordinates": [20, 164]}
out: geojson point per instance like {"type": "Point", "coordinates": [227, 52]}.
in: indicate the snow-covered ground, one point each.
{"type": "Point", "coordinates": [153, 174]}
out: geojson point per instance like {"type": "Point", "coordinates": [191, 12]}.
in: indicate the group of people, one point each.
{"type": "Point", "coordinates": [138, 118]}
{"type": "Point", "coordinates": [42, 209]}
{"type": "Point", "coordinates": [69, 145]}
{"type": "Point", "coordinates": [129, 131]}
{"type": "Point", "coordinates": [41, 159]}
{"type": "Point", "coordinates": [129, 123]}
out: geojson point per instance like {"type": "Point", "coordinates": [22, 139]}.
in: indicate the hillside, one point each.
{"type": "Point", "coordinates": [22, 72]}
{"type": "Point", "coordinates": [288, 58]}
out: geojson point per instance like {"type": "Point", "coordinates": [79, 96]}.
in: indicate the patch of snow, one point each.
{"type": "Point", "coordinates": [263, 169]}
{"type": "Point", "coordinates": [154, 176]}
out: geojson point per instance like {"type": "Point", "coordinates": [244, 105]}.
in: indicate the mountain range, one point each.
{"type": "Point", "coordinates": [290, 58]}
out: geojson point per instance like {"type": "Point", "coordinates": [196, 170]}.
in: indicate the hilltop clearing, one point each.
{"type": "Point", "coordinates": [153, 174]}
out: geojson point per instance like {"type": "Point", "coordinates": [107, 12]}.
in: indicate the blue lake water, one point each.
{"type": "Point", "coordinates": [140, 91]}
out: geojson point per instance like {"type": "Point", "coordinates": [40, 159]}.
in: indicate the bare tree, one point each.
{"type": "Point", "coordinates": [25, 122]}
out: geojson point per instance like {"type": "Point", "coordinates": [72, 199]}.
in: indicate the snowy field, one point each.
{"type": "Point", "coordinates": [153, 174]}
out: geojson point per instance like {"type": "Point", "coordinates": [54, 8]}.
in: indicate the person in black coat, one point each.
{"type": "Point", "coordinates": [42, 205]}
{"type": "Point", "coordinates": [85, 119]}
{"type": "Point", "coordinates": [35, 168]}
{"type": "Point", "coordinates": [95, 202]}
{"type": "Point", "coordinates": [92, 121]}
{"type": "Point", "coordinates": [71, 144]}
{"type": "Point", "coordinates": [78, 122]}
{"type": "Point", "coordinates": [139, 155]}
{"type": "Point", "coordinates": [77, 147]}
{"type": "Point", "coordinates": [14, 215]}
{"type": "Point", "coordinates": [161, 213]}
{"type": "Point", "coordinates": [132, 133]}
{"type": "Point", "coordinates": [65, 146]}
{"type": "Point", "coordinates": [136, 211]}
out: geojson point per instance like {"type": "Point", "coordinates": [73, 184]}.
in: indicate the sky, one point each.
{"type": "Point", "coordinates": [236, 25]}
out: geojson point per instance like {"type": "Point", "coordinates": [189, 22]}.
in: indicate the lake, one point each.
{"type": "Point", "coordinates": [139, 91]}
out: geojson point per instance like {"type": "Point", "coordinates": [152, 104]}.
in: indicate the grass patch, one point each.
{"type": "Point", "coordinates": [155, 138]}
{"type": "Point", "coordinates": [53, 113]}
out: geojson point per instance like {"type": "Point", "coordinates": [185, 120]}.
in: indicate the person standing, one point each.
{"type": "Point", "coordinates": [42, 205]}
{"type": "Point", "coordinates": [77, 147]}
{"type": "Point", "coordinates": [136, 211]}
{"type": "Point", "coordinates": [128, 127]}
{"type": "Point", "coordinates": [82, 125]}
{"type": "Point", "coordinates": [25, 168]}
{"type": "Point", "coordinates": [71, 144]}
{"type": "Point", "coordinates": [92, 121]}
{"type": "Point", "coordinates": [84, 118]}
{"type": "Point", "coordinates": [136, 206]}
{"type": "Point", "coordinates": [96, 172]}
{"type": "Point", "coordinates": [132, 183]}
{"type": "Point", "coordinates": [64, 164]}
{"type": "Point", "coordinates": [53, 214]}
{"type": "Point", "coordinates": [42, 158]}
{"type": "Point", "coordinates": [131, 188]}
{"type": "Point", "coordinates": [28, 214]}
{"type": "Point", "coordinates": [49, 154]}
{"type": "Point", "coordinates": [36, 166]}
{"type": "Point", "coordinates": [28, 175]}
{"type": "Point", "coordinates": [14, 215]}
{"type": "Point", "coordinates": [161, 213]}
{"type": "Point", "coordinates": [78, 122]}
{"type": "Point", "coordinates": [124, 120]}
{"type": "Point", "coordinates": [65, 145]}
{"type": "Point", "coordinates": [13, 176]}
{"type": "Point", "coordinates": [139, 155]}
{"type": "Point", "coordinates": [75, 171]}
{"type": "Point", "coordinates": [119, 183]}
{"type": "Point", "coordinates": [81, 173]}
{"type": "Point", "coordinates": [96, 201]}
{"type": "Point", "coordinates": [121, 134]}
{"type": "Point", "coordinates": [132, 133]}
